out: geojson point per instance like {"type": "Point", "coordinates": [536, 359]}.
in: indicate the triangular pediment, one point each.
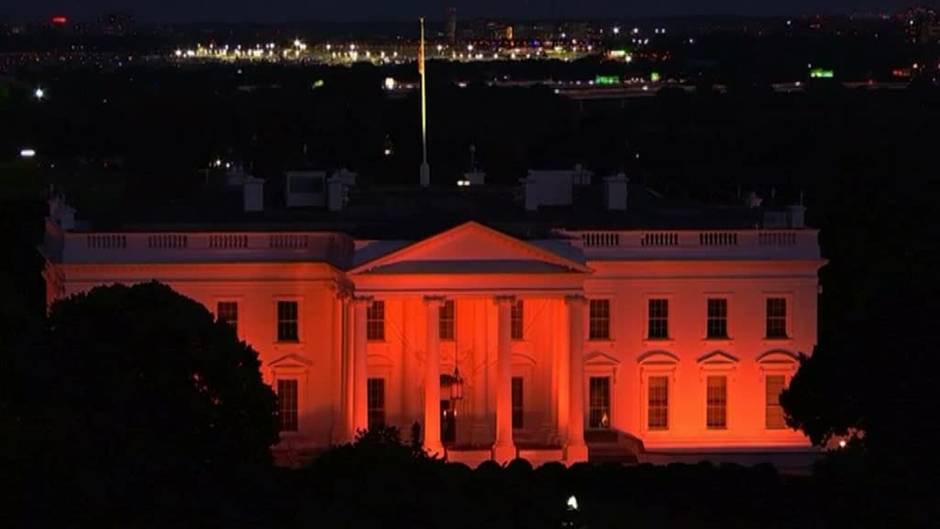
{"type": "Point", "coordinates": [290, 361]}
{"type": "Point", "coordinates": [470, 248]}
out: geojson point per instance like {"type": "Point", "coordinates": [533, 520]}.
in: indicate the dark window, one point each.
{"type": "Point", "coordinates": [658, 403]}
{"type": "Point", "coordinates": [375, 321]}
{"type": "Point", "coordinates": [776, 317]}
{"type": "Point", "coordinates": [774, 411]}
{"type": "Point", "coordinates": [227, 311]}
{"type": "Point", "coordinates": [376, 402]}
{"type": "Point", "coordinates": [517, 319]}
{"type": "Point", "coordinates": [599, 319]}
{"type": "Point", "coordinates": [287, 321]}
{"type": "Point", "coordinates": [716, 403]}
{"type": "Point", "coordinates": [717, 318]}
{"type": "Point", "coordinates": [518, 415]}
{"type": "Point", "coordinates": [658, 319]}
{"type": "Point", "coordinates": [599, 402]}
{"type": "Point", "coordinates": [446, 320]}
{"type": "Point", "coordinates": [287, 404]}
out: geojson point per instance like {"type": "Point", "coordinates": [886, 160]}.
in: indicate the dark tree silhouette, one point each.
{"type": "Point", "coordinates": [145, 404]}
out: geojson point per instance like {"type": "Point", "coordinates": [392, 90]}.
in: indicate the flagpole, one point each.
{"type": "Point", "coordinates": [425, 172]}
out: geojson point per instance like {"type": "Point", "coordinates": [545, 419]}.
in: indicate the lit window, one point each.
{"type": "Point", "coordinates": [376, 402]}
{"type": "Point", "coordinates": [599, 319]}
{"type": "Point", "coordinates": [517, 403]}
{"type": "Point", "coordinates": [599, 402]}
{"type": "Point", "coordinates": [717, 318]}
{"type": "Point", "coordinates": [774, 411]}
{"type": "Point", "coordinates": [227, 311]}
{"type": "Point", "coordinates": [776, 317]}
{"type": "Point", "coordinates": [445, 320]}
{"type": "Point", "coordinates": [658, 319]}
{"type": "Point", "coordinates": [287, 321]}
{"type": "Point", "coordinates": [716, 403]}
{"type": "Point", "coordinates": [517, 319]}
{"type": "Point", "coordinates": [287, 404]}
{"type": "Point", "coordinates": [375, 321]}
{"type": "Point", "coordinates": [658, 403]}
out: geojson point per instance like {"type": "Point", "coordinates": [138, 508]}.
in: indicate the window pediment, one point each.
{"type": "Point", "coordinates": [718, 358]}
{"type": "Point", "coordinates": [291, 361]}
{"type": "Point", "coordinates": [778, 356]}
{"type": "Point", "coordinates": [598, 358]}
{"type": "Point", "coordinates": [658, 358]}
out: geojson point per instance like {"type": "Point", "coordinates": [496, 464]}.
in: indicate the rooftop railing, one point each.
{"type": "Point", "coordinates": [799, 243]}
{"type": "Point", "coordinates": [203, 246]}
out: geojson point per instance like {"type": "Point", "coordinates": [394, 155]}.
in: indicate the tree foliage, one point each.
{"type": "Point", "coordinates": [139, 398]}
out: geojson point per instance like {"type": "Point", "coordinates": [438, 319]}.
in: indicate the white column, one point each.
{"type": "Point", "coordinates": [575, 448]}
{"type": "Point", "coordinates": [432, 378]}
{"type": "Point", "coordinates": [360, 352]}
{"type": "Point", "coordinates": [504, 450]}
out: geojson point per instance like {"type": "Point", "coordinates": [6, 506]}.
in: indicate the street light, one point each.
{"type": "Point", "coordinates": [39, 93]}
{"type": "Point", "coordinates": [27, 153]}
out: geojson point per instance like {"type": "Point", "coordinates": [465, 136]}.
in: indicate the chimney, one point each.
{"type": "Point", "coordinates": [253, 194]}
{"type": "Point", "coordinates": [797, 215]}
{"type": "Point", "coordinates": [337, 187]}
{"type": "Point", "coordinates": [62, 214]}
{"type": "Point", "coordinates": [548, 188]}
{"type": "Point", "coordinates": [615, 192]}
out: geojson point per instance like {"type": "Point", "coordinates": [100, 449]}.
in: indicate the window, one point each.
{"type": "Point", "coordinates": [599, 402]}
{"type": "Point", "coordinates": [657, 416]}
{"type": "Point", "coordinates": [774, 411]}
{"type": "Point", "coordinates": [375, 321]}
{"type": "Point", "coordinates": [445, 320]}
{"type": "Point", "coordinates": [776, 317]}
{"type": "Point", "coordinates": [717, 324]}
{"type": "Point", "coordinates": [716, 402]}
{"type": "Point", "coordinates": [227, 311]}
{"type": "Point", "coordinates": [599, 319]}
{"type": "Point", "coordinates": [375, 402]}
{"type": "Point", "coordinates": [658, 319]}
{"type": "Point", "coordinates": [287, 404]}
{"type": "Point", "coordinates": [287, 321]}
{"type": "Point", "coordinates": [517, 403]}
{"type": "Point", "coordinates": [517, 319]}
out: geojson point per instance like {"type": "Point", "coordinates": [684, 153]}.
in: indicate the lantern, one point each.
{"type": "Point", "coordinates": [456, 386]}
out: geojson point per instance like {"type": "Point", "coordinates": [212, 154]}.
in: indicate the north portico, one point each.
{"type": "Point", "coordinates": [553, 344]}
{"type": "Point", "coordinates": [480, 281]}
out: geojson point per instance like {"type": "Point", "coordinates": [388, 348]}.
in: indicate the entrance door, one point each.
{"type": "Point", "coordinates": [448, 423]}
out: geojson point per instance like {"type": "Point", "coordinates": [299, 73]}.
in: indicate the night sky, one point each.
{"type": "Point", "coordinates": [359, 10]}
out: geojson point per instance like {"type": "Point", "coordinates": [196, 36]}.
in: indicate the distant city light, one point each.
{"type": "Point", "coordinates": [390, 83]}
{"type": "Point", "coordinates": [572, 503]}
{"type": "Point", "coordinates": [39, 93]}
{"type": "Point", "coordinates": [27, 153]}
{"type": "Point", "coordinates": [616, 30]}
{"type": "Point", "coordinates": [606, 79]}
{"type": "Point", "coordinates": [842, 443]}
{"type": "Point", "coordinates": [655, 77]}
{"type": "Point", "coordinates": [60, 20]}
{"type": "Point", "coordinates": [821, 73]}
